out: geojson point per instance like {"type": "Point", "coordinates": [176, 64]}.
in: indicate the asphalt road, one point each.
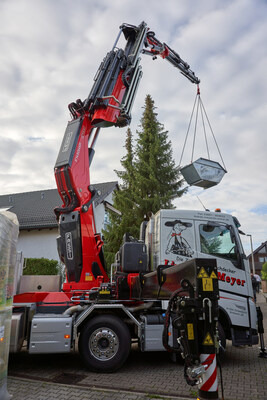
{"type": "Point", "coordinates": [144, 376]}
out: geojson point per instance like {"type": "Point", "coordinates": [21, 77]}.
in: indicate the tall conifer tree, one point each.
{"type": "Point", "coordinates": [124, 202]}
{"type": "Point", "coordinates": [155, 170]}
{"type": "Point", "coordinates": [149, 180]}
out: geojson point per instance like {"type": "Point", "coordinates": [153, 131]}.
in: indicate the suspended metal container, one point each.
{"type": "Point", "coordinates": [204, 173]}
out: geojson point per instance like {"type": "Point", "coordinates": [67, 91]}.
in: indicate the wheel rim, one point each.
{"type": "Point", "coordinates": [103, 344]}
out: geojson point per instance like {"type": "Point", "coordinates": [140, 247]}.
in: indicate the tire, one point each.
{"type": "Point", "coordinates": [222, 341]}
{"type": "Point", "coordinates": [104, 343]}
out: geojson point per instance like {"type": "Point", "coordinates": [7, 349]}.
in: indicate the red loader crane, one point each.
{"type": "Point", "coordinates": [108, 104]}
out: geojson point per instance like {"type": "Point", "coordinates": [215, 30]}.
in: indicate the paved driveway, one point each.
{"type": "Point", "coordinates": [145, 376]}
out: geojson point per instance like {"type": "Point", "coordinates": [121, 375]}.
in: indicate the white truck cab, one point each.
{"type": "Point", "coordinates": [174, 236]}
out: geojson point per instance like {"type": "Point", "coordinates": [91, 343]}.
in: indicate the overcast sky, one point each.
{"type": "Point", "coordinates": [51, 50]}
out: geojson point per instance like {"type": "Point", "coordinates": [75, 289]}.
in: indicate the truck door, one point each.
{"type": "Point", "coordinates": [215, 239]}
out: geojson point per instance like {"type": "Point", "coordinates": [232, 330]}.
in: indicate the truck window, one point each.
{"type": "Point", "coordinates": [218, 241]}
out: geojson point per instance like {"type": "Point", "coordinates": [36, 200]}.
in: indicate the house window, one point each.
{"type": "Point", "coordinates": [106, 219]}
{"type": "Point", "coordinates": [262, 259]}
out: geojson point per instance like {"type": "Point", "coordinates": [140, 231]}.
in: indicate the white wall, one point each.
{"type": "Point", "coordinates": [38, 243]}
{"type": "Point", "coordinates": [99, 213]}
{"type": "Point", "coordinates": [42, 243]}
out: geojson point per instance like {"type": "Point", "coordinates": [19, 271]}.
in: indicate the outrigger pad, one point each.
{"type": "Point", "coordinates": [204, 173]}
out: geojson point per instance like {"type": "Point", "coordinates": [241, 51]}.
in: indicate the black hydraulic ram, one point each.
{"type": "Point", "coordinates": [193, 312]}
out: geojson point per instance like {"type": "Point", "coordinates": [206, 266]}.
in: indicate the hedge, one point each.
{"type": "Point", "coordinates": [264, 272]}
{"type": "Point", "coordinates": [40, 266]}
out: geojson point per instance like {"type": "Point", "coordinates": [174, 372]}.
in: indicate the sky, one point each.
{"type": "Point", "coordinates": [51, 50]}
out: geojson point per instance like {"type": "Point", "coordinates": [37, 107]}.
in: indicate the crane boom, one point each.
{"type": "Point", "coordinates": [109, 103]}
{"type": "Point", "coordinates": [118, 76]}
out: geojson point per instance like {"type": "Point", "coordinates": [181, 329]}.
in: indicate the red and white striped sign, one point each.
{"type": "Point", "coordinates": [210, 381]}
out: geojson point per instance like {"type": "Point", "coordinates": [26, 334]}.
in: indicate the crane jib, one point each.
{"type": "Point", "coordinates": [109, 103]}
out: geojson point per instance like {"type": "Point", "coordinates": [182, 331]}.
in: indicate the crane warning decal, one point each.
{"type": "Point", "coordinates": [202, 273]}
{"type": "Point", "coordinates": [213, 275]}
{"type": "Point", "coordinates": [207, 280]}
{"type": "Point", "coordinates": [208, 340]}
{"type": "Point", "coordinates": [207, 284]}
{"type": "Point", "coordinates": [190, 331]}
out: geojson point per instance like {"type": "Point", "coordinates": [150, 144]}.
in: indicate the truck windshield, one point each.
{"type": "Point", "coordinates": [218, 241]}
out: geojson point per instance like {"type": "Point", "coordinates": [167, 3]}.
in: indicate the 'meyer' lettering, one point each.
{"type": "Point", "coordinates": [230, 279]}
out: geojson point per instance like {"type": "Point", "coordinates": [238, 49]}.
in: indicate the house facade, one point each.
{"type": "Point", "coordinates": [38, 228]}
{"type": "Point", "coordinates": [260, 257]}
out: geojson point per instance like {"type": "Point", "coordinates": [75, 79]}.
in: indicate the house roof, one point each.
{"type": "Point", "coordinates": [264, 244]}
{"type": "Point", "coordinates": [35, 210]}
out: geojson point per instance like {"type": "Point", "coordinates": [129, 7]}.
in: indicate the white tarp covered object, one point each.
{"type": "Point", "coordinates": [9, 230]}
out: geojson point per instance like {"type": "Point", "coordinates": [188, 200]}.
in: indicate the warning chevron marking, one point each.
{"type": "Point", "coordinates": [213, 275]}
{"type": "Point", "coordinates": [202, 273]}
{"type": "Point", "coordinates": [208, 340]}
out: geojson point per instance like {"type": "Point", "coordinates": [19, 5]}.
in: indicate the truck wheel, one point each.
{"type": "Point", "coordinates": [104, 343]}
{"type": "Point", "coordinates": [222, 341]}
